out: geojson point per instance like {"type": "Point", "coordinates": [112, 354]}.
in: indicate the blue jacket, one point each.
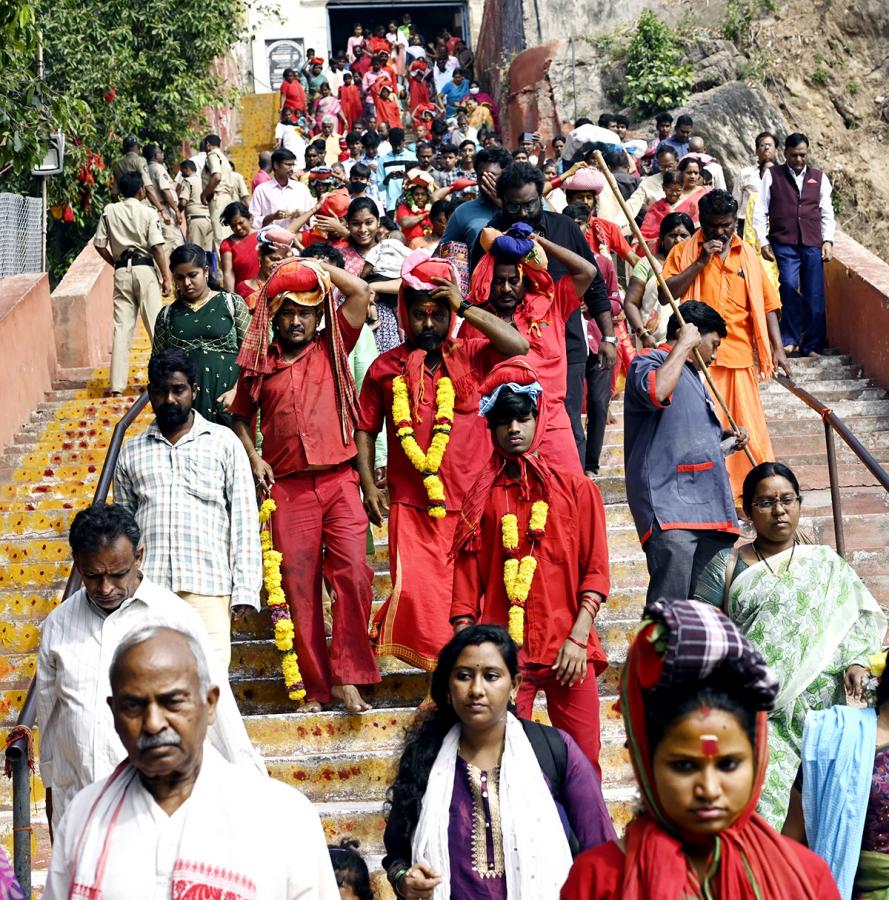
{"type": "Point", "coordinates": [674, 467]}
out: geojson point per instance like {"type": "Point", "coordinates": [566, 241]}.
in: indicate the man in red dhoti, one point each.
{"type": "Point", "coordinates": [302, 386]}
{"type": "Point", "coordinates": [350, 100]}
{"type": "Point", "coordinates": [512, 281]}
{"type": "Point", "coordinates": [531, 553]}
{"type": "Point", "coordinates": [425, 393]}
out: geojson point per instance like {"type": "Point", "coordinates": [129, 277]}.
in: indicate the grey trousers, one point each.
{"type": "Point", "coordinates": [676, 557]}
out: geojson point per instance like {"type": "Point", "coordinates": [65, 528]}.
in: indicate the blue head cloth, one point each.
{"type": "Point", "coordinates": [515, 244]}
{"type": "Point", "coordinates": [487, 403]}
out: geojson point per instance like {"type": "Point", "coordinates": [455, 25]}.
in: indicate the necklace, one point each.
{"type": "Point", "coordinates": [199, 304]}
{"type": "Point", "coordinates": [518, 574]}
{"type": "Point", "coordinates": [762, 559]}
{"type": "Point", "coordinates": [428, 463]}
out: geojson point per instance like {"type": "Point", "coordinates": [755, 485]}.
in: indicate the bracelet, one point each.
{"type": "Point", "coordinates": [556, 182]}
{"type": "Point", "coordinates": [577, 643]}
{"type": "Point", "coordinates": [643, 332]}
{"type": "Point", "coordinates": [394, 879]}
{"type": "Point", "coordinates": [457, 620]}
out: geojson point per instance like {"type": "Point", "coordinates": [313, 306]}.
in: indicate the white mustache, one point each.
{"type": "Point", "coordinates": [165, 738]}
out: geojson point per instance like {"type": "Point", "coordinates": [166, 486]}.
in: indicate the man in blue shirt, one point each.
{"type": "Point", "coordinates": [679, 139]}
{"type": "Point", "coordinates": [678, 487]}
{"type": "Point", "coordinates": [470, 218]}
{"type": "Point", "coordinates": [391, 168]}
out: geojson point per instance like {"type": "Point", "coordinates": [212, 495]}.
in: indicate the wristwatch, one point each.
{"type": "Point", "coordinates": [609, 339]}
{"type": "Point", "coordinates": [461, 309]}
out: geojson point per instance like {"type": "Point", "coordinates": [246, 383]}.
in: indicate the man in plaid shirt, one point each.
{"type": "Point", "coordinates": [189, 485]}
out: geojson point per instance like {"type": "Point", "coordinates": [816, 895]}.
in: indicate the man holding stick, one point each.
{"type": "Point", "coordinates": [717, 268]}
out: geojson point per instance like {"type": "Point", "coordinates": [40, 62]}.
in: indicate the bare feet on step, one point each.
{"type": "Point", "coordinates": [348, 695]}
{"type": "Point", "coordinates": [311, 706]}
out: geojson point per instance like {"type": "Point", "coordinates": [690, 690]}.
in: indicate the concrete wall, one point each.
{"type": "Point", "coordinates": [27, 349]}
{"type": "Point", "coordinates": [83, 311]}
{"type": "Point", "coordinates": [857, 284]}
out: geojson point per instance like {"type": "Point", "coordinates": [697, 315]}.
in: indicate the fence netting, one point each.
{"type": "Point", "coordinates": [20, 239]}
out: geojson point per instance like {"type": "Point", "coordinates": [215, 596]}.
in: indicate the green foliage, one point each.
{"type": "Point", "coordinates": [111, 68]}
{"type": "Point", "coordinates": [820, 76]}
{"type": "Point", "coordinates": [852, 88]}
{"type": "Point", "coordinates": [656, 77]}
{"type": "Point", "coordinates": [738, 18]}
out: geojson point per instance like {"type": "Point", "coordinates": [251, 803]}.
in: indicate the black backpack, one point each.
{"type": "Point", "coordinates": [552, 755]}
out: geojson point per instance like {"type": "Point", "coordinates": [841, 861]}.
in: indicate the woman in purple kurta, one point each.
{"type": "Point", "coordinates": [472, 687]}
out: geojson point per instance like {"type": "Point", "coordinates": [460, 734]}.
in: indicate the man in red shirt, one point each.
{"type": "Point", "coordinates": [524, 516]}
{"type": "Point", "coordinates": [511, 280]}
{"type": "Point", "coordinates": [425, 393]}
{"type": "Point", "coordinates": [303, 389]}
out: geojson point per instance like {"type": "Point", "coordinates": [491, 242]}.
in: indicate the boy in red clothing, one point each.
{"type": "Point", "coordinates": [350, 100]}
{"type": "Point", "coordinates": [303, 386]}
{"type": "Point", "coordinates": [531, 552]}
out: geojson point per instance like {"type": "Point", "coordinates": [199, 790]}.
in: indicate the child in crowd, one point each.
{"type": "Point", "coordinates": [350, 871]}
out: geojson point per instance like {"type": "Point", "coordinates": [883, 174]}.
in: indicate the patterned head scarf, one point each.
{"type": "Point", "coordinates": [304, 281]}
{"type": "Point", "coordinates": [683, 644]}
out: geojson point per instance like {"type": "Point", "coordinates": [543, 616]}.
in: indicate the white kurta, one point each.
{"type": "Point", "coordinates": [238, 836]}
{"type": "Point", "coordinates": [78, 743]}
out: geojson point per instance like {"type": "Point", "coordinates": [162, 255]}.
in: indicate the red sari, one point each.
{"type": "Point", "coordinates": [388, 110]}
{"type": "Point", "coordinates": [418, 92]}
{"type": "Point", "coordinates": [660, 209]}
{"type": "Point", "coordinates": [350, 101]}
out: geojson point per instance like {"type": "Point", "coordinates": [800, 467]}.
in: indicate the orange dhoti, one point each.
{"type": "Point", "coordinates": [740, 390]}
{"type": "Point", "coordinates": [414, 623]}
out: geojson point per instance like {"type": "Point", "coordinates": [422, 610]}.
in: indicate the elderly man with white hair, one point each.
{"type": "Point", "coordinates": [77, 739]}
{"type": "Point", "coordinates": [174, 819]}
{"type": "Point", "coordinates": [331, 139]}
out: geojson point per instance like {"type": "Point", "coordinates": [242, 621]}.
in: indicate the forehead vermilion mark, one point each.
{"type": "Point", "coordinates": [709, 745]}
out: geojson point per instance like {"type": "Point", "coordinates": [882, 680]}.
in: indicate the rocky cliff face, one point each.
{"type": "Point", "coordinates": [822, 69]}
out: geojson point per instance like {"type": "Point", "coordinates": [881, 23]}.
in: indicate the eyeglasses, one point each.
{"type": "Point", "coordinates": [515, 208]}
{"type": "Point", "coordinates": [786, 500]}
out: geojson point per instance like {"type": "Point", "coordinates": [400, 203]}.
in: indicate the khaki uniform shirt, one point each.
{"type": "Point", "coordinates": [190, 192]}
{"type": "Point", "coordinates": [161, 180]}
{"type": "Point", "coordinates": [216, 162]}
{"type": "Point", "coordinates": [128, 224]}
{"type": "Point", "coordinates": [132, 162]}
{"type": "Point", "coordinates": [240, 188]}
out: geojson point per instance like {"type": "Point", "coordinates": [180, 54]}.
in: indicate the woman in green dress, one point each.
{"type": "Point", "coordinates": [206, 323]}
{"type": "Point", "coordinates": [804, 608]}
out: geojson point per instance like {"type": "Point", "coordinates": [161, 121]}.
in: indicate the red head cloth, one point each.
{"type": "Point", "coordinates": [335, 204]}
{"type": "Point", "coordinates": [539, 289]}
{"type": "Point", "coordinates": [317, 60]}
{"type": "Point", "coordinates": [417, 273]}
{"type": "Point", "coordinates": [462, 183]}
{"type": "Point", "coordinates": [534, 478]}
{"type": "Point", "coordinates": [305, 282]}
{"type": "Point", "coordinates": [419, 66]}
{"type": "Point", "coordinates": [754, 862]}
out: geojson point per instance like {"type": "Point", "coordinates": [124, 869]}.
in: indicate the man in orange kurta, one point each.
{"type": "Point", "coordinates": [560, 650]}
{"type": "Point", "coordinates": [719, 269]}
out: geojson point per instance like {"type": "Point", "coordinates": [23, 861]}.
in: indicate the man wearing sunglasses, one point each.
{"type": "Point", "coordinates": [520, 194]}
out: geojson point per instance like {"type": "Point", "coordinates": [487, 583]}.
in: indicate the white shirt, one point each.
{"type": "Point", "coordinates": [761, 210]}
{"type": "Point", "coordinates": [237, 835]}
{"type": "Point", "coordinates": [78, 743]}
{"type": "Point", "coordinates": [442, 78]}
{"type": "Point", "coordinates": [270, 197]}
{"type": "Point", "coordinates": [289, 138]}
{"type": "Point", "coordinates": [747, 182]}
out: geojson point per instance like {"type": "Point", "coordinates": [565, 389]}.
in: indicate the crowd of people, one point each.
{"type": "Point", "coordinates": [402, 320]}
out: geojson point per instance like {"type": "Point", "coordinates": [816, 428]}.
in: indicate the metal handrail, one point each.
{"type": "Point", "coordinates": [17, 750]}
{"type": "Point", "coordinates": [832, 422]}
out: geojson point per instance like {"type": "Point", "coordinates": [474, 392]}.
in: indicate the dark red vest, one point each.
{"type": "Point", "coordinates": [795, 218]}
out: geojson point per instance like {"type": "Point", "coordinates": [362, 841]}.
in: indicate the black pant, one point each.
{"type": "Point", "coordinates": [676, 557]}
{"type": "Point", "coordinates": [598, 397]}
{"type": "Point", "coordinates": [574, 404]}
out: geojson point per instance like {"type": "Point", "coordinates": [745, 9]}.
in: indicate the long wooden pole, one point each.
{"type": "Point", "coordinates": [655, 267]}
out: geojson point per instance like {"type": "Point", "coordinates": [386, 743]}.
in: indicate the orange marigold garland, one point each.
{"type": "Point", "coordinates": [518, 574]}
{"type": "Point", "coordinates": [277, 603]}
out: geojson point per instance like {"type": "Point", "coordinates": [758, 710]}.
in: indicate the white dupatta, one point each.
{"type": "Point", "coordinates": [535, 850]}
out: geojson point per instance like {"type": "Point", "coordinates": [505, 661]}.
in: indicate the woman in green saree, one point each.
{"type": "Point", "coordinates": [208, 324]}
{"type": "Point", "coordinates": [804, 608]}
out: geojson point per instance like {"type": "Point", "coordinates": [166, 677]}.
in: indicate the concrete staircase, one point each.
{"type": "Point", "coordinates": [344, 763]}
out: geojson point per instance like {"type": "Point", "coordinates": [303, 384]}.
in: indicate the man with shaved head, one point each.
{"type": "Point", "coordinates": [175, 819]}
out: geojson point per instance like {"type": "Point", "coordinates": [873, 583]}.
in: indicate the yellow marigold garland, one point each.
{"type": "Point", "coordinates": [428, 463]}
{"type": "Point", "coordinates": [518, 574]}
{"type": "Point", "coordinates": [277, 602]}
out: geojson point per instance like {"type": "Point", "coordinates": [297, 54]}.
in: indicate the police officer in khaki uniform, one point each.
{"type": "Point", "coordinates": [197, 213]}
{"type": "Point", "coordinates": [218, 187]}
{"type": "Point", "coordinates": [129, 238]}
{"type": "Point", "coordinates": [164, 187]}
{"type": "Point", "coordinates": [133, 161]}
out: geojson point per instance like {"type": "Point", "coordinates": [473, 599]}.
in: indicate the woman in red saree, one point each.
{"type": "Point", "coordinates": [418, 85]}
{"type": "Point", "coordinates": [386, 104]}
{"type": "Point", "coordinates": [695, 696]}
{"type": "Point", "coordinates": [350, 100]}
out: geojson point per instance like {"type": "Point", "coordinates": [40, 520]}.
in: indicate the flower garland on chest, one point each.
{"type": "Point", "coordinates": [277, 603]}
{"type": "Point", "coordinates": [428, 463]}
{"type": "Point", "coordinates": [518, 573]}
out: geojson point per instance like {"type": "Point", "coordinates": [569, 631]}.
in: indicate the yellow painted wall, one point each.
{"type": "Point", "coordinates": [258, 117]}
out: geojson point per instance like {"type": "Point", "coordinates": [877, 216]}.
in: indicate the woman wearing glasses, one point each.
{"type": "Point", "coordinates": [804, 608]}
